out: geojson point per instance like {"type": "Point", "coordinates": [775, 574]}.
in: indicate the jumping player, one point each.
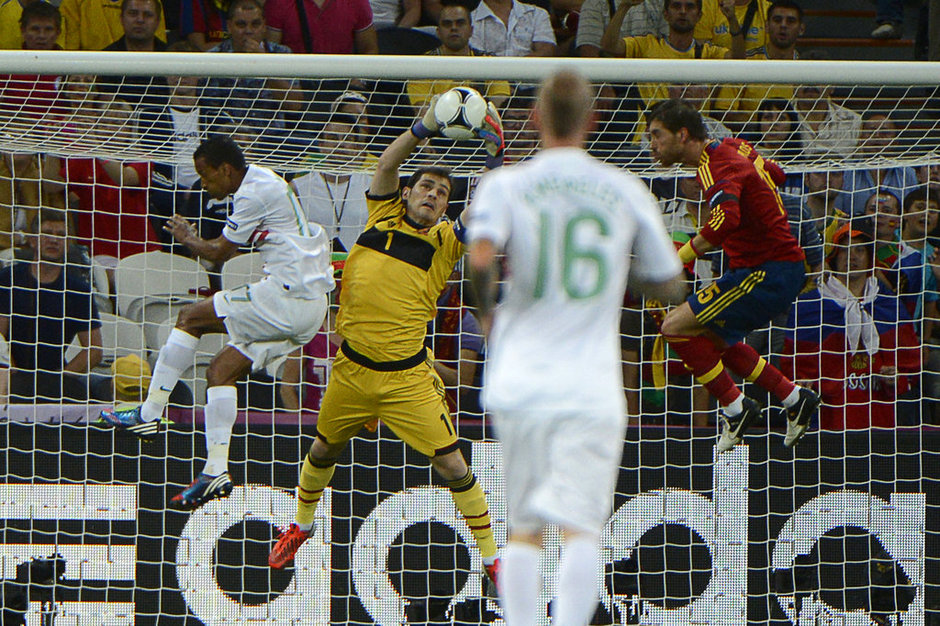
{"type": "Point", "coordinates": [767, 271]}
{"type": "Point", "coordinates": [392, 279]}
{"type": "Point", "coordinates": [572, 229]}
{"type": "Point", "coordinates": [264, 320]}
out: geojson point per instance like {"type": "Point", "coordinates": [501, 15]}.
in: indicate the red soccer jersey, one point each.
{"type": "Point", "coordinates": [202, 16]}
{"type": "Point", "coordinates": [747, 217]}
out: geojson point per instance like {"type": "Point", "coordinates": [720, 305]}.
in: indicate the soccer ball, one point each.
{"type": "Point", "coordinates": [459, 111]}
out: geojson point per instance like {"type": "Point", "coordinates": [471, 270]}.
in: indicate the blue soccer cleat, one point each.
{"type": "Point", "coordinates": [202, 490]}
{"type": "Point", "coordinates": [129, 420]}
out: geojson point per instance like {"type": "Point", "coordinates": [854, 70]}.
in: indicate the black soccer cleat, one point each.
{"type": "Point", "coordinates": [733, 428]}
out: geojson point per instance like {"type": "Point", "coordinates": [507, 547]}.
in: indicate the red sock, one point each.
{"type": "Point", "coordinates": [744, 361]}
{"type": "Point", "coordinates": [702, 357]}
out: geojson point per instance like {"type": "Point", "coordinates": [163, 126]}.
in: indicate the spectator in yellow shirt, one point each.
{"type": "Point", "coordinates": [784, 27]}
{"type": "Point", "coordinates": [681, 16]}
{"type": "Point", "coordinates": [723, 21]}
{"type": "Point", "coordinates": [95, 24]}
{"type": "Point", "coordinates": [454, 29]}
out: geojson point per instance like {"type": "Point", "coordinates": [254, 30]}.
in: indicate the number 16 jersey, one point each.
{"type": "Point", "coordinates": [572, 229]}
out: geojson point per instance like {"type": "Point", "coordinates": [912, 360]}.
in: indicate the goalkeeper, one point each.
{"type": "Point", "coordinates": [392, 279]}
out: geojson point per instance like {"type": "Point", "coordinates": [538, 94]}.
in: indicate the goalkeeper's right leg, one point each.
{"type": "Point", "coordinates": [315, 475]}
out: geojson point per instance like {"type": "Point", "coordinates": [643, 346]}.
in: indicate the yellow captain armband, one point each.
{"type": "Point", "coordinates": [687, 253]}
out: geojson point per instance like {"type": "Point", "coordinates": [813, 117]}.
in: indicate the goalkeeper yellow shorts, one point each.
{"type": "Point", "coordinates": [409, 401]}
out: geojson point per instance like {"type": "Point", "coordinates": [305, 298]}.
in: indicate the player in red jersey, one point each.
{"type": "Point", "coordinates": [766, 271]}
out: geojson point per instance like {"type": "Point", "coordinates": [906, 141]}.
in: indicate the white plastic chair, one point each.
{"type": "Point", "coordinates": [119, 337]}
{"type": "Point", "coordinates": [241, 270]}
{"type": "Point", "coordinates": [7, 257]}
{"type": "Point", "coordinates": [156, 277]}
{"type": "Point", "coordinates": [153, 286]}
{"type": "Point", "coordinates": [101, 287]}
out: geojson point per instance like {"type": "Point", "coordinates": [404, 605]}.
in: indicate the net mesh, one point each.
{"type": "Point", "coordinates": [288, 127]}
{"type": "Point", "coordinates": [843, 530]}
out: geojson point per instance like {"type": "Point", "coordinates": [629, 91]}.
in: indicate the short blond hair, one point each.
{"type": "Point", "coordinates": [565, 103]}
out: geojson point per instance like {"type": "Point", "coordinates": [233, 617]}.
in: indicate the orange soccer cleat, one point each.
{"type": "Point", "coordinates": [286, 547]}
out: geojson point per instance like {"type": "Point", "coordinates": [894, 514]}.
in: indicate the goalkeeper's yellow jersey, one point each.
{"type": "Point", "coordinates": [392, 279]}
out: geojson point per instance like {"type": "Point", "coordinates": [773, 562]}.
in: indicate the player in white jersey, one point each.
{"type": "Point", "coordinates": [572, 230]}
{"type": "Point", "coordinates": [264, 320]}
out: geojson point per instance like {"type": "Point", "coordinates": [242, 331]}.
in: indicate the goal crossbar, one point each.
{"type": "Point", "coordinates": [473, 68]}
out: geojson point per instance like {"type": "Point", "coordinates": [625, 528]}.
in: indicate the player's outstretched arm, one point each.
{"type": "Point", "coordinates": [672, 291]}
{"type": "Point", "coordinates": [695, 248]}
{"type": "Point", "coordinates": [385, 180]}
{"type": "Point", "coordinates": [481, 265]}
{"type": "Point", "coordinates": [218, 250]}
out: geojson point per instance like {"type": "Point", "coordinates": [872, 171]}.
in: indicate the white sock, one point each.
{"type": "Point", "coordinates": [735, 407]}
{"type": "Point", "coordinates": [577, 582]}
{"type": "Point", "coordinates": [520, 583]}
{"type": "Point", "coordinates": [221, 411]}
{"type": "Point", "coordinates": [176, 356]}
{"type": "Point", "coordinates": [793, 398]}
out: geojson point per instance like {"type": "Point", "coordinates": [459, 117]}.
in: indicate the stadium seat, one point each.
{"type": "Point", "coordinates": [101, 288]}
{"type": "Point", "coordinates": [241, 270]}
{"type": "Point", "coordinates": [157, 277]}
{"type": "Point", "coordinates": [405, 41]}
{"type": "Point", "coordinates": [119, 337]}
{"type": "Point", "coordinates": [152, 286]}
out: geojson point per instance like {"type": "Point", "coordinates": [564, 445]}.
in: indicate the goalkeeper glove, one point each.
{"type": "Point", "coordinates": [427, 125]}
{"type": "Point", "coordinates": [491, 132]}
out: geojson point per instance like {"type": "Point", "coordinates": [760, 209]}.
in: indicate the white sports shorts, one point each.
{"type": "Point", "coordinates": [560, 468]}
{"type": "Point", "coordinates": [265, 323]}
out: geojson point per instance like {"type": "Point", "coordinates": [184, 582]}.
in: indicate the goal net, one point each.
{"type": "Point", "coordinates": [841, 530]}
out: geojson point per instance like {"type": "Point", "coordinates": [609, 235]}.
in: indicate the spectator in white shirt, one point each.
{"type": "Point", "coordinates": [512, 29]}
{"type": "Point", "coordinates": [826, 127]}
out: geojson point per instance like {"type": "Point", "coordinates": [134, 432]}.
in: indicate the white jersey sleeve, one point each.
{"type": "Point", "coordinates": [654, 257]}
{"type": "Point", "coordinates": [247, 214]}
{"type": "Point", "coordinates": [489, 216]}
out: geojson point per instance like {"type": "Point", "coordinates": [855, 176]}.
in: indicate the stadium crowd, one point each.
{"type": "Point", "coordinates": [863, 334]}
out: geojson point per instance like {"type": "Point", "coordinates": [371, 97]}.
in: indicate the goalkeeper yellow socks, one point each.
{"type": "Point", "coordinates": [469, 498]}
{"type": "Point", "coordinates": [313, 480]}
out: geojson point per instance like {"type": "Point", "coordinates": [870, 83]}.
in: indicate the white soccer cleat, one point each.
{"type": "Point", "coordinates": [799, 415]}
{"type": "Point", "coordinates": [733, 428]}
